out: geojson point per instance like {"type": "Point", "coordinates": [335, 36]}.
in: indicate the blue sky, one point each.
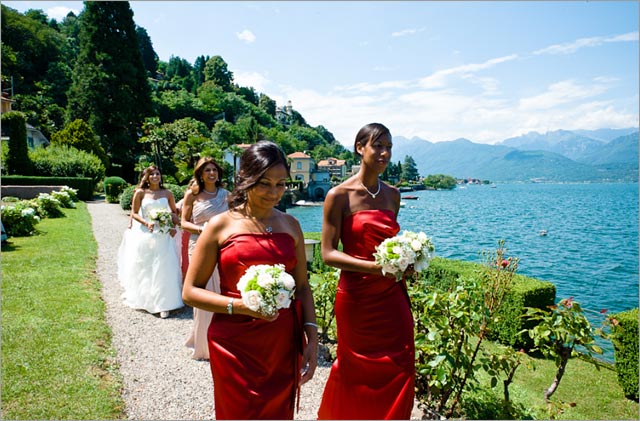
{"type": "Point", "coordinates": [485, 71]}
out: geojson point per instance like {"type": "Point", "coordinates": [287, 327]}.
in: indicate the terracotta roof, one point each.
{"type": "Point", "coordinates": [326, 162]}
{"type": "Point", "coordinates": [298, 155]}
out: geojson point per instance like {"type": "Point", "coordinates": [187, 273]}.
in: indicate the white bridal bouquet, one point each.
{"type": "Point", "coordinates": [395, 254]}
{"type": "Point", "coordinates": [266, 288]}
{"type": "Point", "coordinates": [162, 220]}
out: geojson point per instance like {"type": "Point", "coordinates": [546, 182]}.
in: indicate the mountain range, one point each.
{"type": "Point", "coordinates": [604, 155]}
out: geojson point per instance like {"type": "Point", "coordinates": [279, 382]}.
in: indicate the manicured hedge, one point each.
{"type": "Point", "coordinates": [84, 185]}
{"type": "Point", "coordinates": [625, 344]}
{"type": "Point", "coordinates": [113, 187]}
{"type": "Point", "coordinates": [526, 292]}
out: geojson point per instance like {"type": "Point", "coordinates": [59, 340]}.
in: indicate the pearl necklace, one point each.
{"type": "Point", "coordinates": [210, 192]}
{"type": "Point", "coordinates": [373, 195]}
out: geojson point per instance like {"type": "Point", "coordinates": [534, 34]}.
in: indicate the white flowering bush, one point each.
{"type": "Point", "coordinates": [266, 288]}
{"type": "Point", "coordinates": [19, 220]}
{"type": "Point", "coordinates": [397, 253]}
{"type": "Point", "coordinates": [47, 206]}
{"type": "Point", "coordinates": [64, 198]}
{"type": "Point", "coordinates": [73, 193]}
{"type": "Point", "coordinates": [161, 219]}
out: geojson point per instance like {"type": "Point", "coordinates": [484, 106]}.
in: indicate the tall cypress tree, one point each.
{"type": "Point", "coordinates": [110, 90]}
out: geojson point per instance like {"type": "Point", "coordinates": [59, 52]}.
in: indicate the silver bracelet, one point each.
{"type": "Point", "coordinates": [230, 306]}
{"type": "Point", "coordinates": [310, 324]}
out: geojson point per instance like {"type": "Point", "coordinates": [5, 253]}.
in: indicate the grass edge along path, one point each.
{"type": "Point", "coordinates": [57, 357]}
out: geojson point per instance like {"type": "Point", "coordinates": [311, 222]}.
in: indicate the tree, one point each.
{"type": "Point", "coordinates": [391, 173]}
{"type": "Point", "coordinates": [79, 135]}
{"type": "Point", "coordinates": [410, 169]}
{"type": "Point", "coordinates": [29, 45]}
{"type": "Point", "coordinates": [267, 104]}
{"type": "Point", "coordinates": [110, 89]}
{"type": "Point", "coordinates": [249, 94]}
{"type": "Point", "coordinates": [149, 56]}
{"type": "Point", "coordinates": [440, 182]}
{"type": "Point", "coordinates": [198, 71]}
{"type": "Point", "coordinates": [18, 152]}
{"type": "Point", "coordinates": [216, 70]}
{"type": "Point", "coordinates": [558, 333]}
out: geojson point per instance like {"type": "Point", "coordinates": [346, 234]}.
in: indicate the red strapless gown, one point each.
{"type": "Point", "coordinates": [374, 372]}
{"type": "Point", "coordinates": [255, 363]}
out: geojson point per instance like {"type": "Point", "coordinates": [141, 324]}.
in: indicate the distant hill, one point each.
{"type": "Point", "coordinates": [561, 156]}
{"type": "Point", "coordinates": [567, 143]}
{"type": "Point", "coordinates": [606, 135]}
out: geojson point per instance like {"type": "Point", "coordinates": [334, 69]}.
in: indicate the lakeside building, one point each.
{"type": "Point", "coordinates": [335, 167]}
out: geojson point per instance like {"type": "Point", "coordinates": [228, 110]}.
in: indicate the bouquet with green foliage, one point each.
{"type": "Point", "coordinates": [266, 288]}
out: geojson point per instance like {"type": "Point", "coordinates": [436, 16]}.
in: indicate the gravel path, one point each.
{"type": "Point", "coordinates": [161, 380]}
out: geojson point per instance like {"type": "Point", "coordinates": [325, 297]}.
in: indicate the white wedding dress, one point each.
{"type": "Point", "coordinates": [149, 265]}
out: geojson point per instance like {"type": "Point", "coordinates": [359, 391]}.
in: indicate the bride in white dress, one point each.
{"type": "Point", "coordinates": [148, 259]}
{"type": "Point", "coordinates": [204, 199]}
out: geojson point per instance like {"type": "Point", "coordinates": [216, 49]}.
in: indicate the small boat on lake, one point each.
{"type": "Point", "coordinates": [410, 198]}
{"type": "Point", "coordinates": [307, 203]}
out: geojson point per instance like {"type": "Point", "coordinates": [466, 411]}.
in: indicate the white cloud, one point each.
{"type": "Point", "coordinates": [464, 101]}
{"type": "Point", "coordinates": [373, 87]}
{"type": "Point", "coordinates": [408, 31]}
{"type": "Point", "coordinates": [572, 47]}
{"type": "Point", "coordinates": [483, 115]}
{"type": "Point", "coordinates": [561, 93]}
{"type": "Point", "coordinates": [246, 36]}
{"type": "Point", "coordinates": [60, 12]}
{"type": "Point", "coordinates": [438, 79]}
{"type": "Point", "coordinates": [254, 79]}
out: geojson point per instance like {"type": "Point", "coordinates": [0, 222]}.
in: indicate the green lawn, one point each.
{"type": "Point", "coordinates": [593, 394]}
{"type": "Point", "coordinates": [57, 360]}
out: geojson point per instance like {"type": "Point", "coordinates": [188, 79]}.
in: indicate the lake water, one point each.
{"type": "Point", "coordinates": [590, 251]}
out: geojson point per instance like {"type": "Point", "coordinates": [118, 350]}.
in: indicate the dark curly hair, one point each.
{"type": "Point", "coordinates": [254, 162]}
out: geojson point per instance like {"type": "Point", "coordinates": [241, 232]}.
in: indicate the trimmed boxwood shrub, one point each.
{"type": "Point", "coordinates": [126, 197]}
{"type": "Point", "coordinates": [625, 345]}
{"type": "Point", "coordinates": [178, 192]}
{"type": "Point", "coordinates": [113, 187]}
{"type": "Point", "coordinates": [66, 161]}
{"type": "Point", "coordinates": [526, 292]}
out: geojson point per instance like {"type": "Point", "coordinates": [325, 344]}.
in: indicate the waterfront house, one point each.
{"type": "Point", "coordinates": [301, 167]}
{"type": "Point", "coordinates": [335, 167]}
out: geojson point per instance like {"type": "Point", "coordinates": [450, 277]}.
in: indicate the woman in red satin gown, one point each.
{"type": "Point", "coordinates": [257, 361]}
{"type": "Point", "coordinates": [374, 372]}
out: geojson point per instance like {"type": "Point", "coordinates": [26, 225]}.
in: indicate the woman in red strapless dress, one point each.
{"type": "Point", "coordinates": [374, 372]}
{"type": "Point", "coordinates": [258, 362]}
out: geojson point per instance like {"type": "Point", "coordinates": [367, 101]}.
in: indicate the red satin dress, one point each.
{"type": "Point", "coordinates": [374, 372]}
{"type": "Point", "coordinates": [255, 363]}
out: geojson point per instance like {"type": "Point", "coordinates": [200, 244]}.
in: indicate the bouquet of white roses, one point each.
{"type": "Point", "coordinates": [266, 288]}
{"type": "Point", "coordinates": [162, 220]}
{"type": "Point", "coordinates": [395, 254]}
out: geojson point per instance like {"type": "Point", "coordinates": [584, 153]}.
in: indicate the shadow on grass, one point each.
{"type": "Point", "coordinates": [9, 246]}
{"type": "Point", "coordinates": [487, 405]}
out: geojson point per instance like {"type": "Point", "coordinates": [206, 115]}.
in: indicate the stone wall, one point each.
{"type": "Point", "coordinates": [27, 192]}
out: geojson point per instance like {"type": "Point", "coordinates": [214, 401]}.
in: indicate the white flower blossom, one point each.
{"type": "Point", "coordinates": [266, 288]}
{"type": "Point", "coordinates": [396, 254]}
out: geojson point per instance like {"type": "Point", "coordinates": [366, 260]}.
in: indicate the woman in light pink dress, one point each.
{"type": "Point", "coordinates": [203, 199]}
